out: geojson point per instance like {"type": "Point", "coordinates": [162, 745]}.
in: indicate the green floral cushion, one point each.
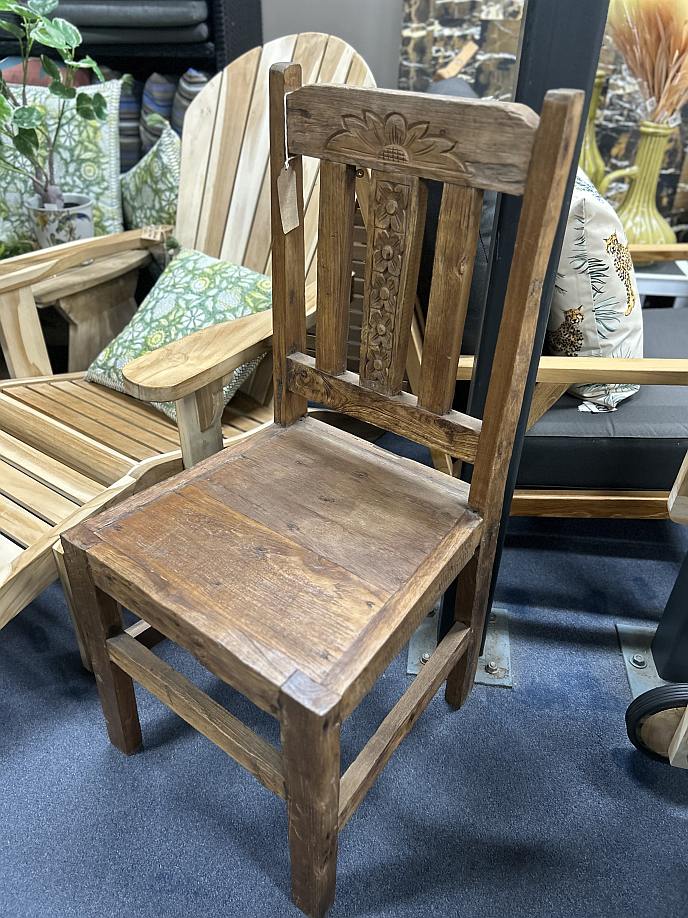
{"type": "Point", "coordinates": [86, 162]}
{"type": "Point", "coordinates": [195, 291]}
{"type": "Point", "coordinates": [149, 190]}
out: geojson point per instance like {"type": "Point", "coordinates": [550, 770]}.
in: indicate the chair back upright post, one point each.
{"type": "Point", "coordinates": [402, 138]}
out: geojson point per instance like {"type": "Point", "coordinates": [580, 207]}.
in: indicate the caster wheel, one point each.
{"type": "Point", "coordinates": [653, 718]}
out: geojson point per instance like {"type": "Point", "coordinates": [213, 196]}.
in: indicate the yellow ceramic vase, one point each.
{"type": "Point", "coordinates": [642, 221]}
{"type": "Point", "coordinates": [591, 161]}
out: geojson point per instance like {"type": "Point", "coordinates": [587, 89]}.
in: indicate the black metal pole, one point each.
{"type": "Point", "coordinates": [560, 49]}
{"type": "Point", "coordinates": [670, 644]}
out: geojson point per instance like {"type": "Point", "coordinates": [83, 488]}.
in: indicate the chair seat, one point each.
{"type": "Point", "coordinates": [293, 551]}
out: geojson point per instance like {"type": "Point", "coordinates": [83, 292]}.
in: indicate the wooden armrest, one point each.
{"type": "Point", "coordinates": [85, 277]}
{"type": "Point", "coordinates": [581, 370]}
{"type": "Point", "coordinates": [29, 269]}
{"type": "Point", "coordinates": [185, 366]}
{"type": "Point", "coordinates": [645, 254]}
{"type": "Point", "coordinates": [678, 499]}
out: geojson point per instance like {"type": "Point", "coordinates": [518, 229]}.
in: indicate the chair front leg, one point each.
{"type": "Point", "coordinates": [100, 618]}
{"type": "Point", "coordinates": [310, 728]}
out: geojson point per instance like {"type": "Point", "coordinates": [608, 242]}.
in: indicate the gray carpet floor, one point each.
{"type": "Point", "coordinates": [528, 802]}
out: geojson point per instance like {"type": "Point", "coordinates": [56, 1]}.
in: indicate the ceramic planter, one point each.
{"type": "Point", "coordinates": [591, 159]}
{"type": "Point", "coordinates": [642, 221]}
{"type": "Point", "coordinates": [54, 226]}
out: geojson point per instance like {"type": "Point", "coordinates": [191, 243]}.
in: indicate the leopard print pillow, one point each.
{"type": "Point", "coordinates": [596, 308]}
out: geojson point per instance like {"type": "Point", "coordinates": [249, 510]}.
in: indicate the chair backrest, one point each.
{"type": "Point", "coordinates": [224, 190]}
{"type": "Point", "coordinates": [402, 138]}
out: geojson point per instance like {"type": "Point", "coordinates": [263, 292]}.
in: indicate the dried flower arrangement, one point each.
{"type": "Point", "coordinates": [652, 36]}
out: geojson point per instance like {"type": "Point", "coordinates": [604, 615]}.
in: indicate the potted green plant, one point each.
{"type": "Point", "coordinates": [30, 134]}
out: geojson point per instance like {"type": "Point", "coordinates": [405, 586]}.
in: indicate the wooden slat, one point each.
{"type": "Point", "coordinates": [453, 432]}
{"type": "Point", "coordinates": [393, 260]}
{"type": "Point", "coordinates": [233, 107]}
{"type": "Point", "coordinates": [34, 496]}
{"type": "Point", "coordinates": [29, 380]}
{"type": "Point", "coordinates": [309, 52]}
{"type": "Point", "coordinates": [288, 254]}
{"type": "Point", "coordinates": [362, 773]}
{"type": "Point", "coordinates": [21, 336]}
{"type": "Point", "coordinates": [455, 248]}
{"type": "Point", "coordinates": [20, 524]}
{"type": "Point", "coordinates": [77, 451]}
{"type": "Point", "coordinates": [337, 204]}
{"type": "Point", "coordinates": [650, 371]}
{"type": "Point", "coordinates": [196, 150]}
{"type": "Point", "coordinates": [386, 128]}
{"type": "Point", "coordinates": [544, 396]}
{"type": "Point", "coordinates": [678, 498]}
{"type": "Point", "coordinates": [9, 551]}
{"type": "Point", "coordinates": [197, 709]}
{"type": "Point", "coordinates": [85, 277]}
{"type": "Point", "coordinates": [126, 406]}
{"type": "Point", "coordinates": [48, 471]}
{"type": "Point", "coordinates": [254, 154]}
{"type": "Point", "coordinates": [101, 433]}
{"type": "Point", "coordinates": [613, 504]}
{"type": "Point", "coordinates": [113, 421]}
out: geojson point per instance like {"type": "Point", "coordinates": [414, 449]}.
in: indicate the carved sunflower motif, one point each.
{"type": "Point", "coordinates": [393, 140]}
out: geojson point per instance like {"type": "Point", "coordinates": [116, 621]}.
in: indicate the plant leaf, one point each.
{"type": "Point", "coordinates": [50, 67]}
{"type": "Point", "coordinates": [12, 28]}
{"type": "Point", "coordinates": [84, 107]}
{"type": "Point", "coordinates": [5, 110]}
{"type": "Point", "coordinates": [57, 88]}
{"type": "Point", "coordinates": [43, 7]}
{"type": "Point", "coordinates": [27, 116]}
{"type": "Point", "coordinates": [87, 63]}
{"type": "Point", "coordinates": [26, 142]}
{"type": "Point", "coordinates": [99, 105]}
{"type": "Point", "coordinates": [57, 33]}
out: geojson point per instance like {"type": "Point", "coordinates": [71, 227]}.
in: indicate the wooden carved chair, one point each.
{"type": "Point", "coordinates": [70, 447]}
{"type": "Point", "coordinates": [297, 565]}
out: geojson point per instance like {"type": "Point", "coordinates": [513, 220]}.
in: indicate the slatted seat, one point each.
{"type": "Point", "coordinates": [69, 447]}
{"type": "Point", "coordinates": [296, 565]}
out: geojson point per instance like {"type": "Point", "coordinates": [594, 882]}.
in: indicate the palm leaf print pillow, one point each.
{"type": "Point", "coordinates": [596, 308]}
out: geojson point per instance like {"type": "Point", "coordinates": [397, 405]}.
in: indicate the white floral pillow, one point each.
{"type": "Point", "coordinates": [151, 187]}
{"type": "Point", "coordinates": [596, 307]}
{"type": "Point", "coordinates": [195, 291]}
{"type": "Point", "coordinates": [86, 162]}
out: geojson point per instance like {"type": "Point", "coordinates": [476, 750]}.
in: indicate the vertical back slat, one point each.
{"type": "Point", "coordinates": [455, 249]}
{"type": "Point", "coordinates": [233, 106]}
{"type": "Point", "coordinates": [546, 183]}
{"type": "Point", "coordinates": [254, 155]}
{"type": "Point", "coordinates": [196, 146]}
{"type": "Point", "coordinates": [395, 233]}
{"type": "Point", "coordinates": [288, 254]}
{"type": "Point", "coordinates": [335, 252]}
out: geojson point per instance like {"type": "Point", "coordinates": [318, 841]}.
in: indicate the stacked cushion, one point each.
{"type": "Point", "coordinates": [189, 86]}
{"type": "Point", "coordinates": [158, 96]}
{"type": "Point", "coordinates": [194, 292]}
{"type": "Point", "coordinates": [119, 22]}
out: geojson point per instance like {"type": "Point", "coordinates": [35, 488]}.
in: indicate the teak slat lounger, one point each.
{"type": "Point", "coordinates": [69, 447]}
{"type": "Point", "coordinates": [296, 566]}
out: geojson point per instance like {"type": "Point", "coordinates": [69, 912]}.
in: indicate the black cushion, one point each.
{"type": "Point", "coordinates": [132, 14]}
{"type": "Point", "coordinates": [184, 35]}
{"type": "Point", "coordinates": [638, 447]}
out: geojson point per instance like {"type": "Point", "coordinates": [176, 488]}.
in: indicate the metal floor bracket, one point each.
{"type": "Point", "coordinates": [635, 641]}
{"type": "Point", "coordinates": [494, 666]}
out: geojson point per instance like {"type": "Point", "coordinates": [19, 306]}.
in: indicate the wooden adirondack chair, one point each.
{"type": "Point", "coordinates": [69, 447]}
